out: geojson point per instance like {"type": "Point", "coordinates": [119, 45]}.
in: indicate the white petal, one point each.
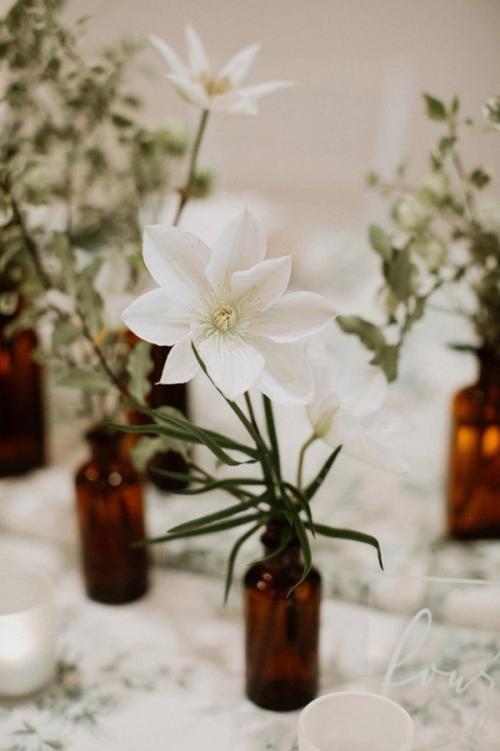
{"type": "Point", "coordinates": [233, 104]}
{"type": "Point", "coordinates": [237, 67]}
{"type": "Point", "coordinates": [181, 365]}
{"type": "Point", "coordinates": [263, 89]}
{"type": "Point", "coordinates": [321, 408]}
{"type": "Point", "coordinates": [189, 90]}
{"type": "Point", "coordinates": [295, 315]}
{"type": "Point", "coordinates": [260, 286]}
{"type": "Point", "coordinates": [379, 439]}
{"type": "Point", "coordinates": [174, 257]}
{"type": "Point", "coordinates": [174, 63]}
{"type": "Point", "coordinates": [196, 51]}
{"type": "Point", "coordinates": [362, 388]}
{"type": "Point", "coordinates": [287, 376]}
{"type": "Point", "coordinates": [233, 364]}
{"type": "Point", "coordinates": [158, 317]}
{"type": "Point", "coordinates": [241, 245]}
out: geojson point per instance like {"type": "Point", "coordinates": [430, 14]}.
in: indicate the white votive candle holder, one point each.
{"type": "Point", "coordinates": [354, 721]}
{"type": "Point", "coordinates": [27, 630]}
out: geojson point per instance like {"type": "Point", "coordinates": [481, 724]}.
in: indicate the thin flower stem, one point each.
{"type": "Point", "coordinates": [302, 454]}
{"type": "Point", "coordinates": [185, 191]}
{"type": "Point", "coordinates": [266, 462]}
{"type": "Point", "coordinates": [273, 436]}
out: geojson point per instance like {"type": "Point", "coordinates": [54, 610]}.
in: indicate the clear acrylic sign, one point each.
{"type": "Point", "coordinates": [437, 653]}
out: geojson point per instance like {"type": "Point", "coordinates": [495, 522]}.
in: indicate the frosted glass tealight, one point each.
{"type": "Point", "coordinates": [354, 721]}
{"type": "Point", "coordinates": [27, 630]}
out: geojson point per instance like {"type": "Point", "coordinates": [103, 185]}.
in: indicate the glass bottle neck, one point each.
{"type": "Point", "coordinates": [489, 370]}
{"type": "Point", "coordinates": [106, 445]}
{"type": "Point", "coordinates": [273, 538]}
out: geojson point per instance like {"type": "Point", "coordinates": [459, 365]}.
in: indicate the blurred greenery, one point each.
{"type": "Point", "coordinates": [81, 172]}
{"type": "Point", "coordinates": [443, 239]}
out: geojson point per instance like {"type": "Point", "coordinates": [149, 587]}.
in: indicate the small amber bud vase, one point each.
{"type": "Point", "coordinates": [282, 627]}
{"type": "Point", "coordinates": [474, 469]}
{"type": "Point", "coordinates": [22, 433]}
{"type": "Point", "coordinates": [111, 517]}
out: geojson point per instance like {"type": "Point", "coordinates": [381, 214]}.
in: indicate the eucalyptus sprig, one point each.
{"type": "Point", "coordinates": [80, 171]}
{"type": "Point", "coordinates": [440, 240]}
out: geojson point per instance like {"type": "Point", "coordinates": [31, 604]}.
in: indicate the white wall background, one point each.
{"type": "Point", "coordinates": [360, 66]}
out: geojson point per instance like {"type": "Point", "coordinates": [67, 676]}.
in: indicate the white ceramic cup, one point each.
{"type": "Point", "coordinates": [354, 721]}
{"type": "Point", "coordinates": [27, 630]}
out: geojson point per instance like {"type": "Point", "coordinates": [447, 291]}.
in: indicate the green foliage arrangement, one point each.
{"type": "Point", "coordinates": [441, 239]}
{"type": "Point", "coordinates": [81, 171]}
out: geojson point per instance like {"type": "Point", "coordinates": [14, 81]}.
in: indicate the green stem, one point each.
{"type": "Point", "coordinates": [185, 191]}
{"type": "Point", "coordinates": [266, 464]}
{"type": "Point", "coordinates": [302, 454]}
{"type": "Point", "coordinates": [273, 436]}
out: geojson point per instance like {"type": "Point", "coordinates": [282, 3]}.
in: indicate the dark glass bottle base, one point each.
{"type": "Point", "coordinates": [118, 589]}
{"type": "Point", "coordinates": [282, 696]}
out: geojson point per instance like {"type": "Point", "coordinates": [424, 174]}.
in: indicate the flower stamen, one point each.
{"type": "Point", "coordinates": [224, 317]}
{"type": "Point", "coordinates": [214, 85]}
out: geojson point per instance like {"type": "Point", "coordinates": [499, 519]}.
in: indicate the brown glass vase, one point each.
{"type": "Point", "coordinates": [22, 434]}
{"type": "Point", "coordinates": [474, 467]}
{"type": "Point", "coordinates": [173, 395]}
{"type": "Point", "coordinates": [282, 629]}
{"type": "Point", "coordinates": [111, 517]}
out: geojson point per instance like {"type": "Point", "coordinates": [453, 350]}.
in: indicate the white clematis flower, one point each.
{"type": "Point", "coordinates": [232, 305]}
{"type": "Point", "coordinates": [219, 91]}
{"type": "Point", "coordinates": [348, 409]}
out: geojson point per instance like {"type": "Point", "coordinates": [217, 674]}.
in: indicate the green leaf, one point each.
{"type": "Point", "coordinates": [207, 485]}
{"type": "Point", "coordinates": [480, 178]}
{"type": "Point", "coordinates": [232, 557]}
{"type": "Point", "coordinates": [216, 516]}
{"type": "Point", "coordinates": [435, 108]}
{"type": "Point", "coordinates": [369, 334]}
{"type": "Point", "coordinates": [208, 530]}
{"type": "Point", "coordinates": [400, 274]}
{"type": "Point", "coordinates": [387, 358]}
{"type": "Point", "coordinates": [64, 333]}
{"type": "Point", "coordinates": [139, 367]}
{"type": "Point", "coordinates": [300, 528]}
{"type": "Point", "coordinates": [86, 380]}
{"type": "Point", "coordinates": [314, 486]}
{"type": "Point", "coordinates": [350, 534]}
{"type": "Point", "coordinates": [303, 503]}
{"type": "Point", "coordinates": [271, 431]}
{"type": "Point", "coordinates": [120, 121]}
{"type": "Point", "coordinates": [380, 242]}
{"type": "Point", "coordinates": [182, 431]}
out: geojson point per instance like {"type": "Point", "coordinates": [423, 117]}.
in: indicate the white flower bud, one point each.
{"type": "Point", "coordinates": [436, 186]}
{"type": "Point", "coordinates": [410, 213]}
{"type": "Point", "coordinates": [432, 251]}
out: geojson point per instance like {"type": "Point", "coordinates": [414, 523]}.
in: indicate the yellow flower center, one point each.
{"type": "Point", "coordinates": [213, 85]}
{"type": "Point", "coordinates": [224, 317]}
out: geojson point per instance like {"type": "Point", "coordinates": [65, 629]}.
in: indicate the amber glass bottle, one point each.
{"type": "Point", "coordinates": [111, 517]}
{"type": "Point", "coordinates": [282, 633]}
{"type": "Point", "coordinates": [173, 395]}
{"type": "Point", "coordinates": [22, 444]}
{"type": "Point", "coordinates": [474, 469]}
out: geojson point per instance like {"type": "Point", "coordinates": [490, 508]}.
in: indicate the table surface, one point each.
{"type": "Point", "coordinates": [164, 671]}
{"type": "Point", "coordinates": [168, 670]}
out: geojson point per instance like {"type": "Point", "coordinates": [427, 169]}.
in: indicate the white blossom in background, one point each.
{"type": "Point", "coordinates": [233, 305]}
{"type": "Point", "coordinates": [112, 282]}
{"type": "Point", "coordinates": [348, 409]}
{"type": "Point", "coordinates": [218, 91]}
